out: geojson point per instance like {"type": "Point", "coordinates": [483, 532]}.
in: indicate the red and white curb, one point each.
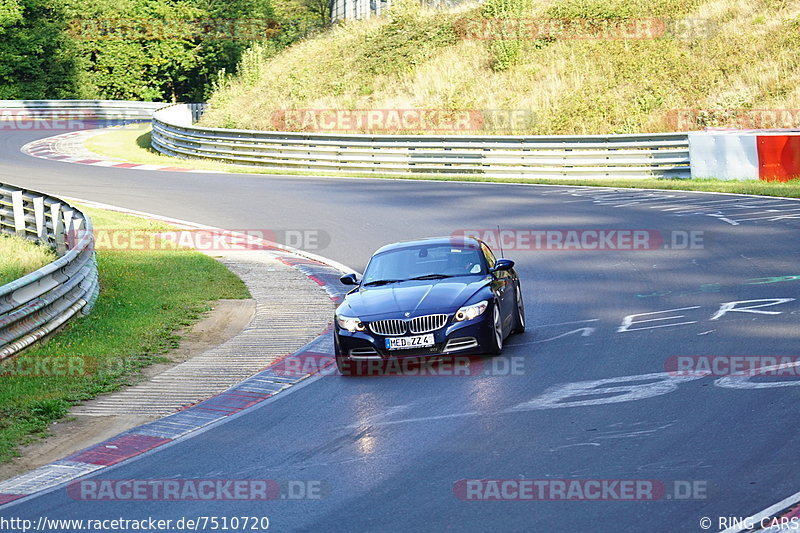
{"type": "Point", "coordinates": [315, 358]}
{"type": "Point", "coordinates": [69, 148]}
{"type": "Point", "coordinates": [312, 359]}
{"type": "Point", "coordinates": [782, 517]}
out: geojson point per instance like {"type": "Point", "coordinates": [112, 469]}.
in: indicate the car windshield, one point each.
{"type": "Point", "coordinates": [424, 262]}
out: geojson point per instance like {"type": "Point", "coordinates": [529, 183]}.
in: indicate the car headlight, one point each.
{"type": "Point", "coordinates": [468, 312]}
{"type": "Point", "coordinates": [350, 324]}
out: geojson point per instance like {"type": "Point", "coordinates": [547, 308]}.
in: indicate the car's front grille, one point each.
{"type": "Point", "coordinates": [424, 324]}
{"type": "Point", "coordinates": [388, 327]}
{"type": "Point", "coordinates": [397, 326]}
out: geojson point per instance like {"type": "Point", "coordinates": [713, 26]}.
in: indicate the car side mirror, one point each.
{"type": "Point", "coordinates": [349, 279]}
{"type": "Point", "coordinates": [503, 264]}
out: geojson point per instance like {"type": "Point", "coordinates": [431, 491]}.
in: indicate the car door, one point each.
{"type": "Point", "coordinates": [502, 287]}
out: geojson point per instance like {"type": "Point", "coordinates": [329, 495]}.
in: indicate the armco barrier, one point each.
{"type": "Point", "coordinates": [659, 155]}
{"type": "Point", "coordinates": [37, 304]}
{"type": "Point", "coordinates": [99, 109]}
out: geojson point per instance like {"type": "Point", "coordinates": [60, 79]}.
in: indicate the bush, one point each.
{"type": "Point", "coordinates": [507, 42]}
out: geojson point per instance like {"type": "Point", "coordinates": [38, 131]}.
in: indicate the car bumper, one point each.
{"type": "Point", "coordinates": [469, 337]}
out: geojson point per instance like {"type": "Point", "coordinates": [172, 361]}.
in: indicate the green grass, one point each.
{"type": "Point", "coordinates": [20, 256]}
{"type": "Point", "coordinates": [145, 298]}
{"type": "Point", "coordinates": [134, 146]}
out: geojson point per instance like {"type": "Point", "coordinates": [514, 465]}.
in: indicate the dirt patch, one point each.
{"type": "Point", "coordinates": [223, 322]}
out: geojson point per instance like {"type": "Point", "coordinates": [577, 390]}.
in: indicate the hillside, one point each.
{"type": "Point", "coordinates": [578, 72]}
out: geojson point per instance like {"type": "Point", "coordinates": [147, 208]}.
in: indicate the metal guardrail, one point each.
{"type": "Point", "coordinates": [658, 155]}
{"type": "Point", "coordinates": [37, 304]}
{"type": "Point", "coordinates": [99, 109]}
{"type": "Point", "coordinates": [360, 9]}
{"type": "Point", "coordinates": [357, 9]}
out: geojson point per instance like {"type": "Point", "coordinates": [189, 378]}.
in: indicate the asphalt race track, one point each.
{"type": "Point", "coordinates": [387, 452]}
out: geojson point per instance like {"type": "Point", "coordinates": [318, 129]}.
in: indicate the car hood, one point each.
{"type": "Point", "coordinates": [414, 297]}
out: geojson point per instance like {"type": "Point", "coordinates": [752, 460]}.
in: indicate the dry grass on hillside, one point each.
{"type": "Point", "coordinates": [743, 56]}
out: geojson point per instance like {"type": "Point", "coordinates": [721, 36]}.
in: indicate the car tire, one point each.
{"type": "Point", "coordinates": [496, 332]}
{"type": "Point", "coordinates": [345, 366]}
{"type": "Point", "coordinates": [519, 318]}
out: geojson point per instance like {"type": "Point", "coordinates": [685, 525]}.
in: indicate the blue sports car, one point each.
{"type": "Point", "coordinates": [430, 297]}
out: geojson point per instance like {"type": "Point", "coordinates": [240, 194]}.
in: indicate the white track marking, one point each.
{"type": "Point", "coordinates": [553, 398]}
{"type": "Point", "coordinates": [628, 321]}
{"type": "Point", "coordinates": [766, 513]}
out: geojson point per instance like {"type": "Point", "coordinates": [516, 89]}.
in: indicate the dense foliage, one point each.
{"type": "Point", "coordinates": [134, 49]}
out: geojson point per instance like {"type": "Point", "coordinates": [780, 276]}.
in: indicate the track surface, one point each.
{"type": "Point", "coordinates": [388, 450]}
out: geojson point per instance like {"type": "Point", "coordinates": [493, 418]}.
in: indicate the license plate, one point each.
{"type": "Point", "coordinates": [404, 343]}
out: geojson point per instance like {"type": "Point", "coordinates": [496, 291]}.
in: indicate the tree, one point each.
{"type": "Point", "coordinates": [321, 9]}
{"type": "Point", "coordinates": [37, 59]}
{"type": "Point", "coordinates": [125, 49]}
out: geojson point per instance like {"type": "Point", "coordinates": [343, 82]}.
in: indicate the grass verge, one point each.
{"type": "Point", "coordinates": [134, 145]}
{"type": "Point", "coordinates": [20, 256]}
{"type": "Point", "coordinates": [146, 298]}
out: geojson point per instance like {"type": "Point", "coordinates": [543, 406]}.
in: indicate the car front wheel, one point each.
{"type": "Point", "coordinates": [344, 365]}
{"type": "Point", "coordinates": [496, 341]}
{"type": "Point", "coordinates": [520, 313]}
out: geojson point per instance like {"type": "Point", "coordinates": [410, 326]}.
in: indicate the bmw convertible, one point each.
{"type": "Point", "coordinates": [424, 298]}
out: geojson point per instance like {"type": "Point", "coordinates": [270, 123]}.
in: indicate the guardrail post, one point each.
{"type": "Point", "coordinates": [74, 232]}
{"type": "Point", "coordinates": [19, 213]}
{"type": "Point", "coordinates": [68, 231]}
{"type": "Point", "coordinates": [38, 210]}
{"type": "Point", "coordinates": [58, 228]}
